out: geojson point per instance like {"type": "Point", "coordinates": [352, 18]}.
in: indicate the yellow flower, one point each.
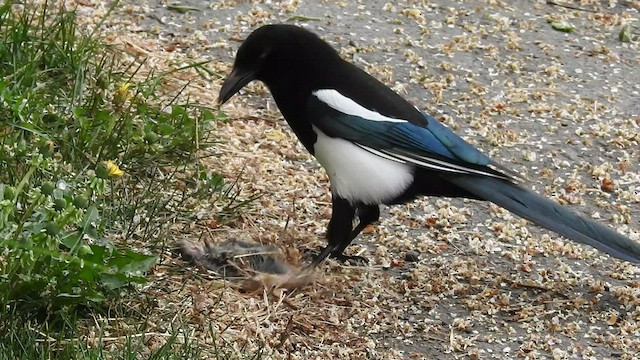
{"type": "Point", "coordinates": [113, 169]}
{"type": "Point", "coordinates": [122, 94]}
{"type": "Point", "coordinates": [124, 89]}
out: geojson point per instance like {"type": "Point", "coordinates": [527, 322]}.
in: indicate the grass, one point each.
{"type": "Point", "coordinates": [97, 165]}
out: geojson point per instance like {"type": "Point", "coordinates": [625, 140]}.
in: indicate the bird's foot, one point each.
{"type": "Point", "coordinates": [356, 260]}
{"type": "Point", "coordinates": [314, 255]}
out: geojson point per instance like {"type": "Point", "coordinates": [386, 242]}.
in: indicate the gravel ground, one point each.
{"type": "Point", "coordinates": [561, 108]}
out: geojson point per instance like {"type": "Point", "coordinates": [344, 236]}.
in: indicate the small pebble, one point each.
{"type": "Point", "coordinates": [412, 256]}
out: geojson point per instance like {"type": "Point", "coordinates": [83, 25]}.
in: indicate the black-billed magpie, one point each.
{"type": "Point", "coordinates": [379, 149]}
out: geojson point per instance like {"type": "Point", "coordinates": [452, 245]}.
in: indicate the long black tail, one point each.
{"type": "Point", "coordinates": [550, 215]}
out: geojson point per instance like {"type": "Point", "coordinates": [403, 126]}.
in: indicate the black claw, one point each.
{"type": "Point", "coordinates": [318, 256]}
{"type": "Point", "coordinates": [351, 259]}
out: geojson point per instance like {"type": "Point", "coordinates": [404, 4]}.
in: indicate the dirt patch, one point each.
{"type": "Point", "coordinates": [559, 107]}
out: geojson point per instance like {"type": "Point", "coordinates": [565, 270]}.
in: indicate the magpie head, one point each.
{"type": "Point", "coordinates": [275, 53]}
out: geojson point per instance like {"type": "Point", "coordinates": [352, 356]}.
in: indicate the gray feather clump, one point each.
{"type": "Point", "coordinates": [235, 258]}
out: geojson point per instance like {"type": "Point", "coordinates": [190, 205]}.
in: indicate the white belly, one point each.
{"type": "Point", "coordinates": [358, 175]}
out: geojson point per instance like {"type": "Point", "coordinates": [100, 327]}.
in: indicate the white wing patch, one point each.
{"type": "Point", "coordinates": [341, 103]}
{"type": "Point", "coordinates": [429, 163]}
{"type": "Point", "coordinates": [359, 175]}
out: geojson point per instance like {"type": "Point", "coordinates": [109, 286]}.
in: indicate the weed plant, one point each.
{"type": "Point", "coordinates": [95, 170]}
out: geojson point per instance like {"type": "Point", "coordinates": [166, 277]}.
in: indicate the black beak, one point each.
{"type": "Point", "coordinates": [233, 83]}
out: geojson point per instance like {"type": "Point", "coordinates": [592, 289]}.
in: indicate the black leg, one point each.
{"type": "Point", "coordinates": [339, 230]}
{"type": "Point", "coordinates": [367, 214]}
